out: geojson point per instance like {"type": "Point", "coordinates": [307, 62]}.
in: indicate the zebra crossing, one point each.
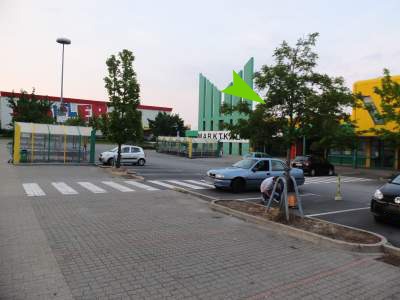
{"type": "Point", "coordinates": [34, 189]}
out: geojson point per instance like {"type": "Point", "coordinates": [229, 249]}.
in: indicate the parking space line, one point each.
{"type": "Point", "coordinates": [309, 194]}
{"type": "Point", "coordinates": [337, 212]}
{"type": "Point", "coordinates": [63, 188]}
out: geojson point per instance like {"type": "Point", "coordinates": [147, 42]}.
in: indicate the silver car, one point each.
{"type": "Point", "coordinates": [249, 173]}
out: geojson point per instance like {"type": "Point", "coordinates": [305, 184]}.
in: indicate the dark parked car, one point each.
{"type": "Point", "coordinates": [313, 165]}
{"type": "Point", "coordinates": [386, 199]}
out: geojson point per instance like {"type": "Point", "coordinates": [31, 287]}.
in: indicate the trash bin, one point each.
{"type": "Point", "coordinates": [23, 156]}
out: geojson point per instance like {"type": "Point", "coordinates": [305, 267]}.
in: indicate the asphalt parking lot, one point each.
{"type": "Point", "coordinates": [317, 194]}
{"type": "Point", "coordinates": [81, 232]}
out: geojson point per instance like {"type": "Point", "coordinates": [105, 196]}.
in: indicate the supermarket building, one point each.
{"type": "Point", "coordinates": [83, 107]}
{"type": "Point", "coordinates": [211, 119]}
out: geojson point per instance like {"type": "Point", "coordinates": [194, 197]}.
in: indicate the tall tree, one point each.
{"type": "Point", "coordinates": [294, 91]}
{"type": "Point", "coordinates": [28, 108]}
{"type": "Point", "coordinates": [167, 125]}
{"type": "Point", "coordinates": [260, 127]}
{"type": "Point", "coordinates": [326, 120]}
{"type": "Point", "coordinates": [389, 92]}
{"type": "Point", "coordinates": [125, 121]}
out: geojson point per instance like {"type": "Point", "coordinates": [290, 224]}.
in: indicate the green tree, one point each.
{"type": "Point", "coordinates": [95, 122]}
{"type": "Point", "coordinates": [125, 121]}
{"type": "Point", "coordinates": [76, 121]}
{"type": "Point", "coordinates": [326, 119]}
{"type": "Point", "coordinates": [296, 95]}
{"type": "Point", "coordinates": [28, 108]}
{"type": "Point", "coordinates": [260, 127]}
{"type": "Point", "coordinates": [389, 92]}
{"type": "Point", "coordinates": [167, 125]}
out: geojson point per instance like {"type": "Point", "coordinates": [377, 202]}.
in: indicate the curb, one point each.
{"type": "Point", "coordinates": [309, 236]}
{"type": "Point", "coordinates": [391, 250]}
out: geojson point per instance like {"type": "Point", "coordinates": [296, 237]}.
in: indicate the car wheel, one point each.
{"type": "Point", "coordinates": [312, 172]}
{"type": "Point", "coordinates": [331, 172]}
{"type": "Point", "coordinates": [378, 218]}
{"type": "Point", "coordinates": [238, 185]}
{"type": "Point", "coordinates": [110, 162]}
{"type": "Point", "coordinates": [141, 162]}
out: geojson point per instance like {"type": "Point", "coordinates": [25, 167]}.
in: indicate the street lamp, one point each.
{"type": "Point", "coordinates": [62, 41]}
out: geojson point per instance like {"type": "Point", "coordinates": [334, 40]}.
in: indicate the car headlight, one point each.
{"type": "Point", "coordinates": [378, 195]}
{"type": "Point", "coordinates": [219, 176]}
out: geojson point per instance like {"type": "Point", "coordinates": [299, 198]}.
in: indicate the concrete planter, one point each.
{"type": "Point", "coordinates": [380, 247]}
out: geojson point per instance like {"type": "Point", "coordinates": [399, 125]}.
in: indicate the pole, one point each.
{"type": "Point", "coordinates": [304, 145]}
{"type": "Point", "coordinates": [62, 77]}
{"type": "Point", "coordinates": [338, 196]}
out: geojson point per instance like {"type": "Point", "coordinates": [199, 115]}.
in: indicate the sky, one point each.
{"type": "Point", "coordinates": [174, 41]}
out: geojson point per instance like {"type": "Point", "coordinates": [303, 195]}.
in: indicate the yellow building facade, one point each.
{"type": "Point", "coordinates": [372, 152]}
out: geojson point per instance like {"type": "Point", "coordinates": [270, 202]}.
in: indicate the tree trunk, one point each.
{"type": "Point", "coordinates": [118, 163]}
{"type": "Point", "coordinates": [288, 156]}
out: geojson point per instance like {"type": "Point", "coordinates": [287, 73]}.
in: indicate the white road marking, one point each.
{"type": "Point", "coordinates": [309, 194]}
{"type": "Point", "coordinates": [141, 185]}
{"type": "Point", "coordinates": [337, 211]}
{"type": "Point", "coordinates": [118, 186]}
{"type": "Point", "coordinates": [33, 190]}
{"type": "Point", "coordinates": [91, 187]}
{"type": "Point", "coordinates": [334, 180]}
{"type": "Point", "coordinates": [201, 183]}
{"type": "Point", "coordinates": [186, 184]}
{"type": "Point", "coordinates": [63, 188]}
{"type": "Point", "coordinates": [164, 184]}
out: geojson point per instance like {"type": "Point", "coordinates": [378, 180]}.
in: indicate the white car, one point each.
{"type": "Point", "coordinates": [129, 155]}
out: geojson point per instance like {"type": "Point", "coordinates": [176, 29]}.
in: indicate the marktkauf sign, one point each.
{"type": "Point", "coordinates": [222, 136]}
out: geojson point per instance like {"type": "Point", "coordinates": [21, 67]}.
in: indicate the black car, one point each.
{"type": "Point", "coordinates": [386, 199]}
{"type": "Point", "coordinates": [313, 165]}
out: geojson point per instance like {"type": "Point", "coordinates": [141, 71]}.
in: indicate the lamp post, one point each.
{"type": "Point", "coordinates": [62, 41]}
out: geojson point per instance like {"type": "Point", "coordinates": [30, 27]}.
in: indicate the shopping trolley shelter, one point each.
{"type": "Point", "coordinates": [44, 143]}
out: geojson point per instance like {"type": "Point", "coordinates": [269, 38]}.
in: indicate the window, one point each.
{"type": "Point", "coordinates": [135, 150]}
{"type": "Point", "coordinates": [230, 148]}
{"type": "Point", "coordinates": [262, 165]}
{"type": "Point", "coordinates": [221, 124]}
{"type": "Point", "coordinates": [125, 150]}
{"type": "Point", "coordinates": [240, 148]}
{"type": "Point", "coordinates": [212, 126]}
{"type": "Point", "coordinates": [204, 125]}
{"type": "Point", "coordinates": [277, 165]}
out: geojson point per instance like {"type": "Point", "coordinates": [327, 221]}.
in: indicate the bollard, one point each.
{"type": "Point", "coordinates": [338, 195]}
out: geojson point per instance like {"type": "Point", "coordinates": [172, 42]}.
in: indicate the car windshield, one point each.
{"type": "Point", "coordinates": [245, 163]}
{"type": "Point", "coordinates": [113, 150]}
{"type": "Point", "coordinates": [396, 180]}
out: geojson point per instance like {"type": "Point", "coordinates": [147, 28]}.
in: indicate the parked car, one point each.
{"type": "Point", "coordinates": [313, 165]}
{"type": "Point", "coordinates": [386, 199]}
{"type": "Point", "coordinates": [129, 155]}
{"type": "Point", "coordinates": [249, 173]}
{"type": "Point", "coordinates": [256, 155]}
